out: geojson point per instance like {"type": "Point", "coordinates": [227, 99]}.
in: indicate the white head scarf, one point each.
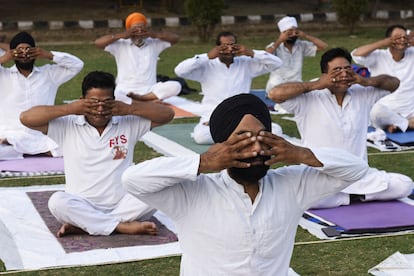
{"type": "Point", "coordinates": [286, 23]}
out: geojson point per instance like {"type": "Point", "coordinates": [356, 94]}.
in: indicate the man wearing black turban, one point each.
{"type": "Point", "coordinates": [24, 55]}
{"type": "Point", "coordinates": [243, 219]}
{"type": "Point", "coordinates": [25, 85]}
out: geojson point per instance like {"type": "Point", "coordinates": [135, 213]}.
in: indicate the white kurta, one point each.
{"type": "Point", "coordinates": [220, 231]}
{"type": "Point", "coordinates": [19, 93]}
{"type": "Point", "coordinates": [94, 198]}
{"type": "Point", "coordinates": [219, 82]}
{"type": "Point", "coordinates": [291, 70]}
{"type": "Point", "coordinates": [137, 67]}
{"type": "Point", "coordinates": [381, 62]}
{"type": "Point", "coordinates": [322, 122]}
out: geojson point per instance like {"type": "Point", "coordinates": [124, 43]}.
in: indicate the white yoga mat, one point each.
{"type": "Point", "coordinates": [26, 242]}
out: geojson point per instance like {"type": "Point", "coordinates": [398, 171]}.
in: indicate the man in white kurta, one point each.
{"type": "Point", "coordinates": [292, 46]}
{"type": "Point", "coordinates": [226, 70]}
{"type": "Point", "coordinates": [136, 53]}
{"type": "Point", "coordinates": [395, 111]}
{"type": "Point", "coordinates": [22, 88]}
{"type": "Point", "coordinates": [97, 136]}
{"type": "Point", "coordinates": [223, 227]}
{"type": "Point", "coordinates": [330, 112]}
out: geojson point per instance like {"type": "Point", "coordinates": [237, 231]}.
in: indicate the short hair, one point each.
{"type": "Point", "coordinates": [224, 34]}
{"type": "Point", "coordinates": [332, 54]}
{"type": "Point", "coordinates": [391, 28]}
{"type": "Point", "coordinates": [98, 79]}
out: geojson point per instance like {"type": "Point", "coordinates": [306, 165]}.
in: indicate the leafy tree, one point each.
{"type": "Point", "coordinates": [349, 11]}
{"type": "Point", "coordinates": [204, 15]}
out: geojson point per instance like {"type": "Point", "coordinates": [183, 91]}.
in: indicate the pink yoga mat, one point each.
{"type": "Point", "coordinates": [32, 164]}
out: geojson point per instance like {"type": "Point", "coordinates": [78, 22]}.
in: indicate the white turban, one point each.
{"type": "Point", "coordinates": [287, 23]}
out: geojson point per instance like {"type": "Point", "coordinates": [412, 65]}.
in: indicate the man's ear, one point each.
{"type": "Point", "coordinates": [81, 97]}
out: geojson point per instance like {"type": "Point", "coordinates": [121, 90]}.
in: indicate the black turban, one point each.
{"type": "Point", "coordinates": [22, 37]}
{"type": "Point", "coordinates": [228, 114]}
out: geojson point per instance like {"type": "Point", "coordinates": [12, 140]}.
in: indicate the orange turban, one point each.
{"type": "Point", "coordinates": [134, 18]}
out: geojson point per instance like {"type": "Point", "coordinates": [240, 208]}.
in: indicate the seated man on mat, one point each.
{"type": "Point", "coordinates": [97, 135]}
{"type": "Point", "coordinates": [136, 53]}
{"type": "Point", "coordinates": [333, 111]}
{"type": "Point", "coordinates": [25, 85]}
{"type": "Point", "coordinates": [241, 220]}
{"type": "Point", "coordinates": [394, 112]}
{"type": "Point", "coordinates": [226, 70]}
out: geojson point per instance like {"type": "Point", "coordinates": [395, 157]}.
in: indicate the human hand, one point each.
{"type": "Point", "coordinates": [279, 150]}
{"type": "Point", "coordinates": [91, 107]}
{"type": "Point", "coordinates": [215, 52]}
{"type": "Point", "coordinates": [399, 40]}
{"type": "Point", "coordinates": [241, 50]}
{"type": "Point", "coordinates": [36, 52]}
{"type": "Point", "coordinates": [339, 77]}
{"type": "Point", "coordinates": [228, 154]}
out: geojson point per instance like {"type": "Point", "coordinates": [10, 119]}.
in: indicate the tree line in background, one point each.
{"type": "Point", "coordinates": [204, 15]}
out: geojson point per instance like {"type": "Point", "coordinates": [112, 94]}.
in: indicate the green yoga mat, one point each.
{"type": "Point", "coordinates": [181, 134]}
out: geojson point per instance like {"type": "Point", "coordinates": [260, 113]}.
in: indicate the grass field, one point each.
{"type": "Point", "coordinates": [311, 257]}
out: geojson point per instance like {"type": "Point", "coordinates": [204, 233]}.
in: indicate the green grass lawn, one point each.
{"type": "Point", "coordinates": [310, 257]}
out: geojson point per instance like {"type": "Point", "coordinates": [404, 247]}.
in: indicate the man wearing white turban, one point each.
{"type": "Point", "coordinates": [291, 51]}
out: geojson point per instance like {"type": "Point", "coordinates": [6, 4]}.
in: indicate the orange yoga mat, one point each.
{"type": "Point", "coordinates": [181, 113]}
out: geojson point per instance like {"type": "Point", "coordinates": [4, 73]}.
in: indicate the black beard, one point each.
{"type": "Point", "coordinates": [27, 66]}
{"type": "Point", "coordinates": [292, 40]}
{"type": "Point", "coordinates": [251, 174]}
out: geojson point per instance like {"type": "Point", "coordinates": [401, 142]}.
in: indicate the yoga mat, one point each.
{"type": "Point", "coordinates": [26, 242]}
{"type": "Point", "coordinates": [181, 134]}
{"type": "Point", "coordinates": [84, 242]}
{"type": "Point", "coordinates": [402, 138]}
{"type": "Point", "coordinates": [262, 95]}
{"type": "Point", "coordinates": [181, 113]}
{"type": "Point", "coordinates": [33, 164]}
{"type": "Point", "coordinates": [376, 216]}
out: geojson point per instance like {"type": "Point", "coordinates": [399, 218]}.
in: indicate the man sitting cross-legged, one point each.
{"type": "Point", "coordinates": [97, 135]}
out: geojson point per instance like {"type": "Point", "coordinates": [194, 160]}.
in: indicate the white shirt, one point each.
{"type": "Point", "coordinates": [92, 169]}
{"type": "Point", "coordinates": [291, 70]}
{"type": "Point", "coordinates": [220, 231]}
{"type": "Point", "coordinates": [380, 61]}
{"type": "Point", "coordinates": [136, 66]}
{"type": "Point", "coordinates": [322, 122]}
{"type": "Point", "coordinates": [19, 93]}
{"type": "Point", "coordinates": [219, 82]}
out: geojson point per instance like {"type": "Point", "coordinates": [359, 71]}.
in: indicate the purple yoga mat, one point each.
{"type": "Point", "coordinates": [32, 164]}
{"type": "Point", "coordinates": [369, 215]}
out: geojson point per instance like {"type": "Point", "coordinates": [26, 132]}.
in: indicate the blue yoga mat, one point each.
{"type": "Point", "coordinates": [262, 95]}
{"type": "Point", "coordinates": [402, 138]}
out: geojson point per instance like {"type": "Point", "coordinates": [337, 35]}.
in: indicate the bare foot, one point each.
{"type": "Point", "coordinates": [68, 229]}
{"type": "Point", "coordinates": [4, 141]}
{"type": "Point", "coordinates": [144, 98]}
{"type": "Point", "coordinates": [137, 227]}
{"type": "Point", "coordinates": [392, 129]}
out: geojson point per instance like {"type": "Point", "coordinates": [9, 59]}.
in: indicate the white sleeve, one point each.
{"type": "Point", "coordinates": [340, 169]}
{"type": "Point", "coordinates": [164, 183]}
{"type": "Point", "coordinates": [192, 68]}
{"type": "Point", "coordinates": [67, 66]}
{"type": "Point", "coordinates": [264, 62]}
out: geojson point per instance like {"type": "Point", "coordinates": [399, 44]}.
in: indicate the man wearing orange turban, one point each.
{"type": "Point", "coordinates": [136, 52]}
{"type": "Point", "coordinates": [134, 18]}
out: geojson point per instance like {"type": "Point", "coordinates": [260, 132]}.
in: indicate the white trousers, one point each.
{"type": "Point", "coordinates": [398, 186]}
{"type": "Point", "coordinates": [161, 90]}
{"type": "Point", "coordinates": [79, 212]}
{"type": "Point", "coordinates": [382, 116]}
